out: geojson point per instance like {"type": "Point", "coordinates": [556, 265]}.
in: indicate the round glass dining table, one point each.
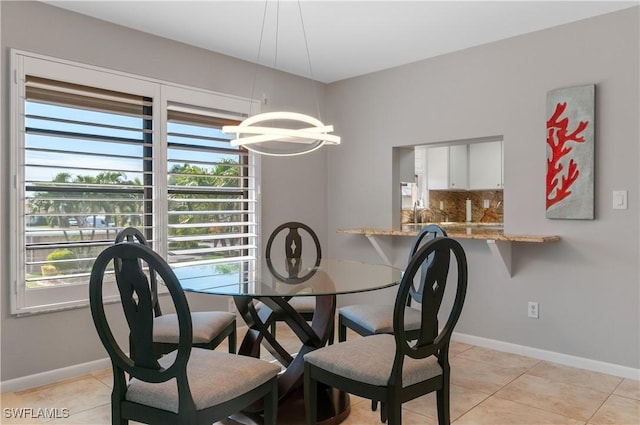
{"type": "Point", "coordinates": [274, 285]}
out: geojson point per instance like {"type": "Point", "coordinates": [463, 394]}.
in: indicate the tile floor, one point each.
{"type": "Point", "coordinates": [488, 388]}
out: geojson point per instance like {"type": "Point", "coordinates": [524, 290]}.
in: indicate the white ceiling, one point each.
{"type": "Point", "coordinates": [345, 38]}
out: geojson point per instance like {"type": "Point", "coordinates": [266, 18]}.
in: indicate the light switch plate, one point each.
{"type": "Point", "coordinates": [619, 199]}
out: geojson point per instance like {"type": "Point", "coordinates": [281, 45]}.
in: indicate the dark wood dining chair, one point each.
{"type": "Point", "coordinates": [294, 271]}
{"type": "Point", "coordinates": [210, 328]}
{"type": "Point", "coordinates": [371, 319]}
{"type": "Point", "coordinates": [187, 386]}
{"type": "Point", "coordinates": [395, 368]}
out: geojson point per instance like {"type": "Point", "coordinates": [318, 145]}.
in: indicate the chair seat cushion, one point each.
{"type": "Point", "coordinates": [303, 304]}
{"type": "Point", "coordinates": [378, 319]}
{"type": "Point", "coordinates": [214, 377]}
{"type": "Point", "coordinates": [370, 360]}
{"type": "Point", "coordinates": [206, 326]}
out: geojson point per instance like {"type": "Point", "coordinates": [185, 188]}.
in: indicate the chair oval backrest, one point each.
{"type": "Point", "coordinates": [431, 340]}
{"type": "Point", "coordinates": [426, 234]}
{"type": "Point", "coordinates": [135, 295]}
{"type": "Point", "coordinates": [292, 252]}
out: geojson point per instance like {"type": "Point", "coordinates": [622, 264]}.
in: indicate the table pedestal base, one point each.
{"type": "Point", "coordinates": [333, 408]}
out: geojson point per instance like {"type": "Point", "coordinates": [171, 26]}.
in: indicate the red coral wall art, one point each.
{"type": "Point", "coordinates": [570, 153]}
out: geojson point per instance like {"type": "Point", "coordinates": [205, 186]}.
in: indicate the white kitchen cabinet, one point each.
{"type": "Point", "coordinates": [485, 166]}
{"type": "Point", "coordinates": [447, 167]}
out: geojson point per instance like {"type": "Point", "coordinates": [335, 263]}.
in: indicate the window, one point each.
{"type": "Point", "coordinates": [95, 151]}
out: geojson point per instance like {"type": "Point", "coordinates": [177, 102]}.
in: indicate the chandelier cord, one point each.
{"type": "Point", "coordinates": [254, 136]}
{"type": "Point", "coordinates": [275, 61]}
{"type": "Point", "coordinates": [306, 45]}
{"type": "Point", "coordinates": [255, 73]}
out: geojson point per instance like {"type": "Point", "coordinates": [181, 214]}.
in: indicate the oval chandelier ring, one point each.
{"type": "Point", "coordinates": [285, 140]}
{"type": "Point", "coordinates": [282, 133]}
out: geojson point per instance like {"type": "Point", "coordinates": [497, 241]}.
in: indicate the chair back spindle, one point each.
{"type": "Point", "coordinates": [133, 235]}
{"type": "Point", "coordinates": [137, 304]}
{"type": "Point", "coordinates": [426, 234]}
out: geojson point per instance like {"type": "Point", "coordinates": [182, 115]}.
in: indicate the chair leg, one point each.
{"type": "Point", "coordinates": [117, 396]}
{"type": "Point", "coordinates": [233, 340]}
{"type": "Point", "coordinates": [271, 404]}
{"type": "Point", "coordinates": [395, 414]}
{"type": "Point", "coordinates": [342, 332]}
{"type": "Point", "coordinates": [310, 398]}
{"type": "Point", "coordinates": [115, 416]}
{"type": "Point", "coordinates": [374, 405]}
{"type": "Point", "coordinates": [383, 412]}
{"type": "Point", "coordinates": [442, 402]}
{"type": "Point", "coordinates": [116, 413]}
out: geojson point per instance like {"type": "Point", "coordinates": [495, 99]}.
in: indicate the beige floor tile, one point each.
{"type": "Point", "coordinates": [496, 411]}
{"type": "Point", "coordinates": [629, 388]}
{"type": "Point", "coordinates": [13, 415]}
{"type": "Point", "coordinates": [77, 395]}
{"type": "Point", "coordinates": [499, 358]}
{"type": "Point", "coordinates": [425, 406]}
{"type": "Point", "coordinates": [21, 417]}
{"type": "Point", "coordinates": [104, 376]}
{"type": "Point", "coordinates": [575, 376]}
{"type": "Point", "coordinates": [15, 412]}
{"type": "Point", "coordinates": [567, 400]}
{"type": "Point", "coordinates": [461, 399]}
{"type": "Point", "coordinates": [8, 400]}
{"type": "Point", "coordinates": [412, 418]}
{"type": "Point", "coordinates": [618, 411]}
{"type": "Point", "coordinates": [361, 414]}
{"type": "Point", "coordinates": [97, 416]}
{"type": "Point", "coordinates": [456, 348]}
{"type": "Point", "coordinates": [483, 377]}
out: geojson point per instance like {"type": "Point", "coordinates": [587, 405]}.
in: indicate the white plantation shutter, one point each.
{"type": "Point", "coordinates": [211, 202]}
{"type": "Point", "coordinates": [96, 151]}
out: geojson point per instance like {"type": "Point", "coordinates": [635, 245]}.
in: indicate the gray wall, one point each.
{"type": "Point", "coordinates": [587, 284]}
{"type": "Point", "coordinates": [292, 189]}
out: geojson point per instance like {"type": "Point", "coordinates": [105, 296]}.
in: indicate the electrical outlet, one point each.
{"type": "Point", "coordinates": [532, 310]}
{"type": "Point", "coordinates": [232, 306]}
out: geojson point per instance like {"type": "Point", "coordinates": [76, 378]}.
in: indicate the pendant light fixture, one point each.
{"type": "Point", "coordinates": [282, 133]}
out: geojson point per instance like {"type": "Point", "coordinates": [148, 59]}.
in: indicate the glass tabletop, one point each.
{"type": "Point", "coordinates": [252, 278]}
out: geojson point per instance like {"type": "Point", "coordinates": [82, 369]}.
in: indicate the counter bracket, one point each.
{"type": "Point", "coordinates": [379, 250]}
{"type": "Point", "coordinates": [502, 251]}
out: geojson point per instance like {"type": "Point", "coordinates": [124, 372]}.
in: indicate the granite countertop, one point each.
{"type": "Point", "coordinates": [482, 231]}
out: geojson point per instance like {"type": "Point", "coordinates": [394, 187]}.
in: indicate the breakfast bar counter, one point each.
{"type": "Point", "coordinates": [467, 231]}
{"type": "Point", "coordinates": [499, 243]}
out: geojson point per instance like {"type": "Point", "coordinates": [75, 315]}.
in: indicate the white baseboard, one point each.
{"type": "Point", "coordinates": [551, 356]}
{"type": "Point", "coordinates": [50, 376]}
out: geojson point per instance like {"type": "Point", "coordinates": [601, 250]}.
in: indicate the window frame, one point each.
{"type": "Point", "coordinates": [161, 93]}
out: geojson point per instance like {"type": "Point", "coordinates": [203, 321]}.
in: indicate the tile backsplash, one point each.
{"type": "Point", "coordinates": [446, 205]}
